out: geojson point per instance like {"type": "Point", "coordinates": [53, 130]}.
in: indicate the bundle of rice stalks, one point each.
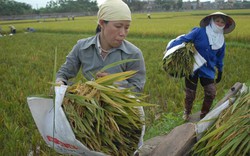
{"type": "Point", "coordinates": [103, 117]}
{"type": "Point", "coordinates": [230, 135]}
{"type": "Point", "coordinates": [180, 63]}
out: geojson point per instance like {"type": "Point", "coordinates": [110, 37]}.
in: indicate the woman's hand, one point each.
{"type": "Point", "coordinates": [218, 77]}
{"type": "Point", "coordinates": [101, 74]}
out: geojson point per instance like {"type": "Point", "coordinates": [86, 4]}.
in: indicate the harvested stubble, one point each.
{"type": "Point", "coordinates": [180, 63]}
{"type": "Point", "coordinates": [229, 136]}
{"type": "Point", "coordinates": [103, 117]}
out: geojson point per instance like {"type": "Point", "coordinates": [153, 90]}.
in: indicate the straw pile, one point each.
{"type": "Point", "coordinates": [103, 117]}
{"type": "Point", "coordinates": [180, 63]}
{"type": "Point", "coordinates": [230, 135]}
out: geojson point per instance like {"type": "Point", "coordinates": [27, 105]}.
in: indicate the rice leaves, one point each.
{"type": "Point", "coordinates": [229, 136]}
{"type": "Point", "coordinates": [103, 117]}
{"type": "Point", "coordinates": [180, 63]}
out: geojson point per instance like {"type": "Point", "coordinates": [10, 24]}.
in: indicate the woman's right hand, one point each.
{"type": "Point", "coordinates": [101, 74]}
{"type": "Point", "coordinates": [59, 83]}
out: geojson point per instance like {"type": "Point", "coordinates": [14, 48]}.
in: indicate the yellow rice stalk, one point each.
{"type": "Point", "coordinates": [104, 117]}
{"type": "Point", "coordinates": [229, 136]}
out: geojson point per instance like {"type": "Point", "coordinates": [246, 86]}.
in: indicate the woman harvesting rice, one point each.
{"type": "Point", "coordinates": [208, 40]}
{"type": "Point", "coordinates": [106, 47]}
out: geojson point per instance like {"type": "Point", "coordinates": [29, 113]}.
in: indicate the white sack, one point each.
{"type": "Point", "coordinates": [57, 133]}
{"type": "Point", "coordinates": [56, 130]}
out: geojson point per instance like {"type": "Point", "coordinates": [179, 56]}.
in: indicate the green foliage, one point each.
{"type": "Point", "coordinates": [164, 125]}
{"type": "Point", "coordinates": [27, 63]}
{"type": "Point", "coordinates": [62, 6]}
{"type": "Point", "coordinates": [8, 7]}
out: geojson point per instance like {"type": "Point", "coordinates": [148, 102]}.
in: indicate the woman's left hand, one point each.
{"type": "Point", "coordinates": [218, 77]}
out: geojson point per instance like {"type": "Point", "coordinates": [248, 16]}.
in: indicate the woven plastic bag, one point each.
{"type": "Point", "coordinates": [55, 128]}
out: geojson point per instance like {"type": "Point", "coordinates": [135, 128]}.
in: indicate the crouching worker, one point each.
{"type": "Point", "coordinates": [29, 29]}
{"type": "Point", "coordinates": [12, 29]}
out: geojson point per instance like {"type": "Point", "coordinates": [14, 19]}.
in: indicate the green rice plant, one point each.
{"type": "Point", "coordinates": [229, 136]}
{"type": "Point", "coordinates": [104, 117]}
{"type": "Point", "coordinates": [162, 25]}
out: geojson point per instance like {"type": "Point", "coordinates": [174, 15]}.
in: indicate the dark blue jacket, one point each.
{"type": "Point", "coordinates": [214, 58]}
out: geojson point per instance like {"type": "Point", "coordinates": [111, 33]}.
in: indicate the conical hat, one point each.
{"type": "Point", "coordinates": [230, 24]}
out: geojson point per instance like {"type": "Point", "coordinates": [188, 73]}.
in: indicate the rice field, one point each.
{"type": "Point", "coordinates": [26, 67]}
